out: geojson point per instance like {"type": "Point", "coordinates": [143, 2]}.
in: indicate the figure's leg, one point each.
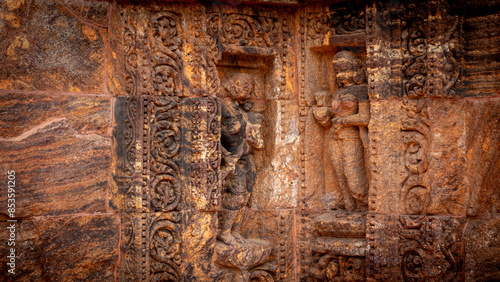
{"type": "Point", "coordinates": [235, 231]}
{"type": "Point", "coordinates": [355, 170]}
{"type": "Point", "coordinates": [227, 219]}
{"type": "Point", "coordinates": [337, 163]}
{"type": "Point", "coordinates": [233, 200]}
{"type": "Point", "coordinates": [249, 171]}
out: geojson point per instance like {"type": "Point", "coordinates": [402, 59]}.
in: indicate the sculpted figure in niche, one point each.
{"type": "Point", "coordinates": [240, 134]}
{"type": "Point", "coordinates": [348, 119]}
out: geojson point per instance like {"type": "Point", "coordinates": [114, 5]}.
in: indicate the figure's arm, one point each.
{"type": "Point", "coordinates": [362, 118]}
{"type": "Point", "coordinates": [323, 116]}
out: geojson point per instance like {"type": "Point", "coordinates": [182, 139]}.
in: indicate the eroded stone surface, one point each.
{"type": "Point", "coordinates": [59, 151]}
{"type": "Point", "coordinates": [67, 248]}
{"type": "Point", "coordinates": [315, 141]}
{"type": "Point", "coordinates": [45, 46]}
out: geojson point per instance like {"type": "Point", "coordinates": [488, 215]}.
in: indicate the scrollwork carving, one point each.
{"type": "Point", "coordinates": [430, 61]}
{"type": "Point", "coordinates": [346, 21]}
{"type": "Point", "coordinates": [245, 30]}
{"type": "Point", "coordinates": [165, 249]}
{"type": "Point", "coordinates": [415, 134]}
{"type": "Point", "coordinates": [214, 149]}
{"type": "Point", "coordinates": [168, 61]}
{"type": "Point", "coordinates": [165, 145]}
{"type": "Point", "coordinates": [330, 267]}
{"type": "Point", "coordinates": [318, 25]}
{"type": "Point", "coordinates": [427, 248]}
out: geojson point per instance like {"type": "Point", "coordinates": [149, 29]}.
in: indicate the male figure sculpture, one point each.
{"type": "Point", "coordinates": [240, 133]}
{"type": "Point", "coordinates": [350, 114]}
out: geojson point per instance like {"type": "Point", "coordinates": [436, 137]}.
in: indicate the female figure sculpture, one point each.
{"type": "Point", "coordinates": [350, 114]}
{"type": "Point", "coordinates": [240, 133]}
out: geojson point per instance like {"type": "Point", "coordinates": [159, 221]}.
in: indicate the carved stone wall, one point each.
{"type": "Point", "coordinates": [251, 140]}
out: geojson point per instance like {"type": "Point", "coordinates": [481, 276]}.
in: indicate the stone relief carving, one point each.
{"type": "Point", "coordinates": [229, 131]}
{"type": "Point", "coordinates": [348, 119]}
{"type": "Point", "coordinates": [346, 21]}
{"type": "Point", "coordinates": [431, 47]}
{"type": "Point", "coordinates": [240, 133]}
{"type": "Point", "coordinates": [245, 30]}
{"type": "Point", "coordinates": [429, 247]}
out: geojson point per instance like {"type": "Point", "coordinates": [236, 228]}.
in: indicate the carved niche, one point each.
{"type": "Point", "coordinates": [336, 112]}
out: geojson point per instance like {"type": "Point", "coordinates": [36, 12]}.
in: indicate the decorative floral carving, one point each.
{"type": "Point", "coordinates": [214, 151]}
{"type": "Point", "coordinates": [245, 30]}
{"type": "Point", "coordinates": [165, 249]}
{"type": "Point", "coordinates": [346, 21]}
{"type": "Point", "coordinates": [415, 134]}
{"type": "Point", "coordinates": [427, 249]}
{"type": "Point", "coordinates": [430, 60]}
{"type": "Point", "coordinates": [165, 145]}
{"type": "Point", "coordinates": [167, 69]}
{"type": "Point", "coordinates": [318, 25]}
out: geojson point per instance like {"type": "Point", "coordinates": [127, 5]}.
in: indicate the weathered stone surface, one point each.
{"type": "Point", "coordinates": [482, 53]}
{"type": "Point", "coordinates": [65, 248]}
{"type": "Point", "coordinates": [482, 243]}
{"type": "Point", "coordinates": [340, 224]}
{"type": "Point", "coordinates": [66, 135]}
{"type": "Point", "coordinates": [253, 140]}
{"type": "Point", "coordinates": [28, 251]}
{"type": "Point", "coordinates": [483, 147]}
{"type": "Point", "coordinates": [46, 45]}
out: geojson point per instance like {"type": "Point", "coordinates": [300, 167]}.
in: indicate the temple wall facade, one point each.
{"type": "Point", "coordinates": [275, 140]}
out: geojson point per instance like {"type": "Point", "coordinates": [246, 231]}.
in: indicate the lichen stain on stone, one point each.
{"type": "Point", "coordinates": [19, 42]}
{"type": "Point", "coordinates": [90, 33]}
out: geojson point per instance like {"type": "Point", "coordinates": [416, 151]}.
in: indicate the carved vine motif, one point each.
{"type": "Point", "coordinates": [431, 44]}
{"type": "Point", "coordinates": [130, 189]}
{"type": "Point", "coordinates": [165, 248]}
{"type": "Point", "coordinates": [167, 42]}
{"type": "Point", "coordinates": [129, 252]}
{"type": "Point", "coordinates": [318, 25]}
{"type": "Point", "coordinates": [214, 149]}
{"type": "Point", "coordinates": [152, 57]}
{"type": "Point", "coordinates": [415, 134]}
{"type": "Point", "coordinates": [346, 21]}
{"type": "Point", "coordinates": [244, 30]}
{"type": "Point", "coordinates": [427, 248]}
{"type": "Point", "coordinates": [165, 144]}
{"type": "Point", "coordinates": [129, 40]}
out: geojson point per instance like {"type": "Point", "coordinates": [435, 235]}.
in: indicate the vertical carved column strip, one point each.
{"type": "Point", "coordinates": [302, 124]}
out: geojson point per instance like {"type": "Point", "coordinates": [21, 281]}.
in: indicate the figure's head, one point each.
{"type": "Point", "coordinates": [322, 98]}
{"type": "Point", "coordinates": [240, 86]}
{"type": "Point", "coordinates": [348, 68]}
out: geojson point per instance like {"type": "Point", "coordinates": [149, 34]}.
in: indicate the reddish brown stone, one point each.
{"type": "Point", "coordinates": [59, 152]}
{"type": "Point", "coordinates": [66, 248]}
{"type": "Point", "coordinates": [45, 47]}
{"type": "Point", "coordinates": [482, 246]}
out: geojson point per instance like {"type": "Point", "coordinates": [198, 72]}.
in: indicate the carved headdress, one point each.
{"type": "Point", "coordinates": [357, 67]}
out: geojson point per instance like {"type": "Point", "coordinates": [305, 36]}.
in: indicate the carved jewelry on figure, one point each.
{"type": "Point", "coordinates": [240, 134]}
{"type": "Point", "coordinates": [348, 119]}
